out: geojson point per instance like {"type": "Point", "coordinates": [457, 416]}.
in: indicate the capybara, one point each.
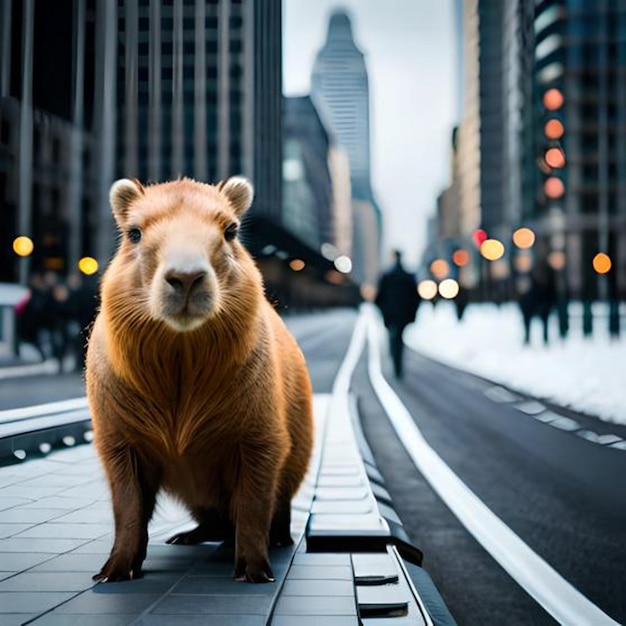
{"type": "Point", "coordinates": [194, 383]}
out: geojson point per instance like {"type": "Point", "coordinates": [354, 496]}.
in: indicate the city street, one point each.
{"type": "Point", "coordinates": [557, 492]}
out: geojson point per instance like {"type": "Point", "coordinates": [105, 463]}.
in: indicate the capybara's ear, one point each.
{"type": "Point", "coordinates": [239, 192]}
{"type": "Point", "coordinates": [122, 194]}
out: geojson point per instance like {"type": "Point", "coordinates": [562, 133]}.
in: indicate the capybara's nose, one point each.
{"type": "Point", "coordinates": [185, 283]}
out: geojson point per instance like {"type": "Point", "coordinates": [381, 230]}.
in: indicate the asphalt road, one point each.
{"type": "Point", "coordinates": [562, 495]}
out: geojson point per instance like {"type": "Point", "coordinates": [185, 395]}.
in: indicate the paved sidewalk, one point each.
{"type": "Point", "coordinates": [56, 532]}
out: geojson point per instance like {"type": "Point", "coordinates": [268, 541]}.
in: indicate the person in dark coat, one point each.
{"type": "Point", "coordinates": [540, 298]}
{"type": "Point", "coordinates": [397, 299]}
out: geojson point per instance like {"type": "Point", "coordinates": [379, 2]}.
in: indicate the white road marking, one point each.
{"type": "Point", "coordinates": [602, 440]}
{"type": "Point", "coordinates": [501, 395]}
{"type": "Point", "coordinates": [557, 596]}
{"type": "Point", "coordinates": [531, 407]}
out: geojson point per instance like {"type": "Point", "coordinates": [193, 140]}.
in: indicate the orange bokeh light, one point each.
{"type": "Point", "coordinates": [553, 129]}
{"type": "Point", "coordinates": [524, 238]}
{"type": "Point", "coordinates": [439, 268]}
{"type": "Point", "coordinates": [601, 263]}
{"type": "Point", "coordinates": [554, 187]}
{"type": "Point", "coordinates": [553, 99]}
{"type": "Point", "coordinates": [460, 257]}
{"type": "Point", "coordinates": [556, 259]}
{"type": "Point", "coordinates": [555, 157]}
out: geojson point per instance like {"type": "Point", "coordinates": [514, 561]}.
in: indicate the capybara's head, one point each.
{"type": "Point", "coordinates": [179, 244]}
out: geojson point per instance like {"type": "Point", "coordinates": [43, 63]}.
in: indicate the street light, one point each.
{"type": "Point", "coordinates": [448, 288]}
{"type": "Point", "coordinates": [602, 263]}
{"type": "Point", "coordinates": [427, 289]}
{"type": "Point", "coordinates": [439, 268]}
{"type": "Point", "coordinates": [555, 157]}
{"type": "Point", "coordinates": [23, 246]}
{"type": "Point", "coordinates": [524, 238]}
{"type": "Point", "coordinates": [553, 129]}
{"type": "Point", "coordinates": [297, 265]}
{"type": "Point", "coordinates": [554, 188]}
{"type": "Point", "coordinates": [460, 257]}
{"type": "Point", "coordinates": [553, 99]}
{"type": "Point", "coordinates": [492, 249]}
{"type": "Point", "coordinates": [88, 265]}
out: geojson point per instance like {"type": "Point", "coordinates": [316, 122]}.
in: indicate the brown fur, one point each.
{"type": "Point", "coordinates": [207, 398]}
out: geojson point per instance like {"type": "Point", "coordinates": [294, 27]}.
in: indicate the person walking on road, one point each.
{"type": "Point", "coordinates": [398, 300]}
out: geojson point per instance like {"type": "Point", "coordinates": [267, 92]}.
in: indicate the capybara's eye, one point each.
{"type": "Point", "coordinates": [134, 234]}
{"type": "Point", "coordinates": [231, 232]}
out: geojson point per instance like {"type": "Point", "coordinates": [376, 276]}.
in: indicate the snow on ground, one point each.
{"type": "Point", "coordinates": [585, 374]}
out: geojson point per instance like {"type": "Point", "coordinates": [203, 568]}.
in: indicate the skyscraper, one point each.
{"type": "Point", "coordinates": [580, 52]}
{"type": "Point", "coordinates": [91, 90]}
{"type": "Point", "coordinates": [340, 91]}
{"type": "Point", "coordinates": [199, 92]}
{"type": "Point", "coordinates": [339, 87]}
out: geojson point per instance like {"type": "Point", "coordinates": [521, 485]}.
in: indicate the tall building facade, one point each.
{"type": "Point", "coordinates": [340, 90]}
{"type": "Point", "coordinates": [307, 181]}
{"type": "Point", "coordinates": [543, 75]}
{"type": "Point", "coordinates": [340, 87]}
{"type": "Point", "coordinates": [199, 93]}
{"type": "Point", "coordinates": [54, 165]}
{"type": "Point", "coordinates": [581, 52]}
{"type": "Point", "coordinates": [91, 90]}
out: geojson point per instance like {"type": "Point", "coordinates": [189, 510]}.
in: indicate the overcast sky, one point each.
{"type": "Point", "coordinates": [410, 52]}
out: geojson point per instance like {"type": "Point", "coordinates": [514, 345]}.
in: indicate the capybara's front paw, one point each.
{"type": "Point", "coordinates": [254, 571]}
{"type": "Point", "coordinates": [117, 569]}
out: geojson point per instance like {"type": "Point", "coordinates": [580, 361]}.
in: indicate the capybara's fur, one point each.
{"type": "Point", "coordinates": [194, 383]}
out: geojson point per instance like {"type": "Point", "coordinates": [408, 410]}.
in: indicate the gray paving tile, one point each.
{"type": "Point", "coordinates": [7, 478]}
{"type": "Point", "coordinates": [202, 620]}
{"type": "Point", "coordinates": [329, 558]}
{"type": "Point", "coordinates": [60, 619]}
{"type": "Point", "coordinates": [56, 479]}
{"type": "Point", "coordinates": [88, 516]}
{"type": "Point", "coordinates": [179, 604]}
{"type": "Point", "coordinates": [18, 562]}
{"type": "Point", "coordinates": [30, 601]}
{"type": "Point", "coordinates": [315, 605]}
{"type": "Point", "coordinates": [314, 620]}
{"type": "Point", "coordinates": [213, 585]}
{"type": "Point", "coordinates": [28, 516]}
{"type": "Point", "coordinates": [88, 563]}
{"type": "Point", "coordinates": [96, 489]}
{"type": "Point", "coordinates": [8, 530]}
{"type": "Point", "coordinates": [47, 581]}
{"type": "Point", "coordinates": [155, 582]}
{"type": "Point", "coordinates": [96, 547]}
{"type": "Point", "coordinates": [22, 490]}
{"type": "Point", "coordinates": [93, 603]}
{"type": "Point", "coordinates": [212, 568]}
{"type": "Point", "coordinates": [15, 619]}
{"type": "Point", "coordinates": [61, 530]}
{"type": "Point", "coordinates": [318, 588]}
{"type": "Point", "coordinates": [55, 502]}
{"type": "Point", "coordinates": [9, 503]}
{"type": "Point", "coordinates": [24, 544]}
{"type": "Point", "coordinates": [320, 572]}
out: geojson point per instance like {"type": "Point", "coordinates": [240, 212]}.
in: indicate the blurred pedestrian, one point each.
{"type": "Point", "coordinates": [398, 300]}
{"type": "Point", "coordinates": [540, 298]}
{"type": "Point", "coordinates": [81, 309]}
{"type": "Point", "coordinates": [30, 315]}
